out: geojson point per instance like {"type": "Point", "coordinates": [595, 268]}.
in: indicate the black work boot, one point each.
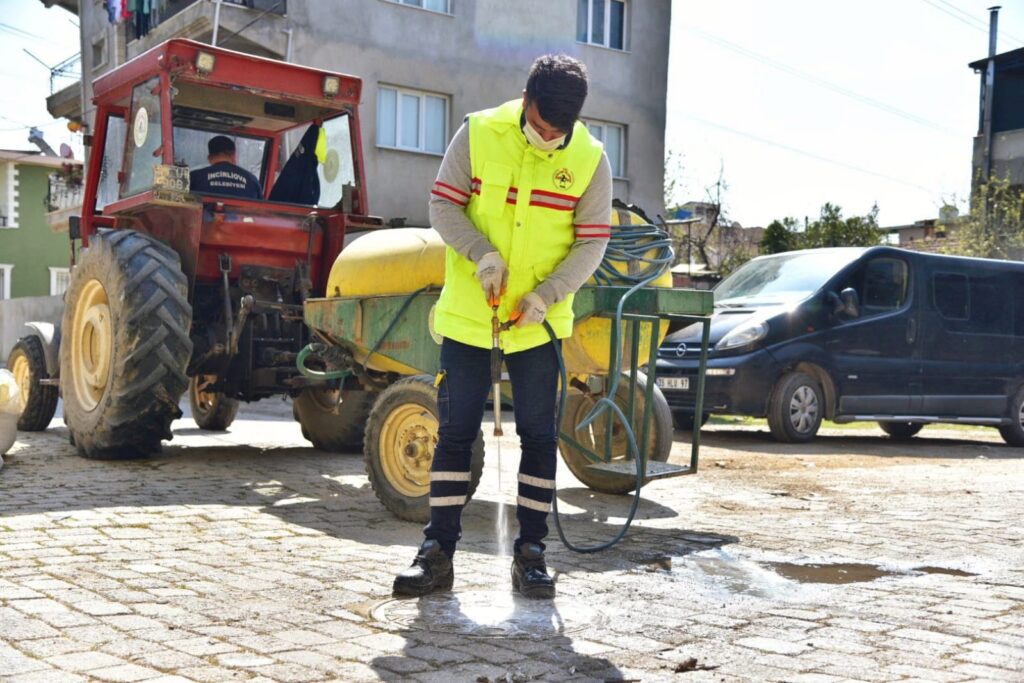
{"type": "Point", "coordinates": [530, 574]}
{"type": "Point", "coordinates": [430, 571]}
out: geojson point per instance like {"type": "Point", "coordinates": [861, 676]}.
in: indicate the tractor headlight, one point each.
{"type": "Point", "coordinates": [205, 62]}
{"type": "Point", "coordinates": [332, 85]}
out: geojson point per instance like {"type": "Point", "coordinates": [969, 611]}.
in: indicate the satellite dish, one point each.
{"type": "Point", "coordinates": [66, 151]}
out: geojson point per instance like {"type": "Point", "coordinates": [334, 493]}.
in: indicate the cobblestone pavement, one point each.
{"type": "Point", "coordinates": [270, 561]}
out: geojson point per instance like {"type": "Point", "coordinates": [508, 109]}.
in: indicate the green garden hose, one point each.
{"type": "Point", "coordinates": [630, 244]}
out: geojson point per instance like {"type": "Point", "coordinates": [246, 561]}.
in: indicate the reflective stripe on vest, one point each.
{"type": "Point", "coordinates": [524, 201]}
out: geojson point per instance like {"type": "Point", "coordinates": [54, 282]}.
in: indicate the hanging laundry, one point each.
{"type": "Point", "coordinates": [113, 10]}
{"type": "Point", "coordinates": [140, 10]}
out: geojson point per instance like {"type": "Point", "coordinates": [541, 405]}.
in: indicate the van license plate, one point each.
{"type": "Point", "coordinates": [674, 383]}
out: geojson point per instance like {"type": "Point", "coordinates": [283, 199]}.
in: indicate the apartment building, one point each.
{"type": "Point", "coordinates": [426, 64]}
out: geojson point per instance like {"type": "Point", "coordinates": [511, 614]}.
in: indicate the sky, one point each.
{"type": "Point", "coordinates": [52, 36]}
{"type": "Point", "coordinates": [795, 102]}
{"type": "Point", "coordinates": [802, 102]}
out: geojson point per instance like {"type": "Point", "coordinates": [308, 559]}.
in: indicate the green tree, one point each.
{"type": "Point", "coordinates": [994, 228]}
{"type": "Point", "coordinates": [673, 196]}
{"type": "Point", "coordinates": [832, 230]}
{"type": "Point", "coordinates": [780, 236]}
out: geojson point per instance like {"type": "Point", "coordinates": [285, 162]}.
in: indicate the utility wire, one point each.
{"type": "Point", "coordinates": [967, 18]}
{"type": "Point", "coordinates": [14, 30]}
{"type": "Point", "coordinates": [822, 83]}
{"type": "Point", "coordinates": [812, 155]}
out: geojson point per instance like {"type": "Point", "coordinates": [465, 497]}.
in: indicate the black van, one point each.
{"type": "Point", "coordinates": [901, 337]}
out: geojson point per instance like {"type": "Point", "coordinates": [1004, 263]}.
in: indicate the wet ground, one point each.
{"type": "Point", "coordinates": [249, 556]}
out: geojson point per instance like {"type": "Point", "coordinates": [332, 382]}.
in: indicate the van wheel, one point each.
{"type": "Point", "coordinates": [684, 421]}
{"type": "Point", "coordinates": [796, 408]}
{"type": "Point", "coordinates": [1013, 433]}
{"type": "Point", "coordinates": [901, 431]}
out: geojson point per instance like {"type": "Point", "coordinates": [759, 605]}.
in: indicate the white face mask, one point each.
{"type": "Point", "coordinates": [535, 139]}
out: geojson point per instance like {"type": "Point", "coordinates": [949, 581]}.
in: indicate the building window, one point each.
{"type": "Point", "coordinates": [5, 280]}
{"type": "Point", "coordinates": [59, 279]}
{"type": "Point", "coordinates": [8, 196]}
{"type": "Point", "coordinates": [442, 6]}
{"type": "Point", "coordinates": [412, 120]}
{"type": "Point", "coordinates": [613, 136]}
{"type": "Point", "coordinates": [99, 52]}
{"type": "Point", "coordinates": [602, 22]}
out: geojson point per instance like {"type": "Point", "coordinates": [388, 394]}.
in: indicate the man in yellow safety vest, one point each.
{"type": "Point", "coordinates": [523, 201]}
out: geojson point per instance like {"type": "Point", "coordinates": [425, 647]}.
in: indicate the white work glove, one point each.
{"type": "Point", "coordinates": [532, 310]}
{"type": "Point", "coordinates": [493, 275]}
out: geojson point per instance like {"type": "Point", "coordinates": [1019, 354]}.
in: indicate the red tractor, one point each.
{"type": "Point", "coordinates": [174, 290]}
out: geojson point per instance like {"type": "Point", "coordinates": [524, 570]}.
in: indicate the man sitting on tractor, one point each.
{"type": "Point", "coordinates": [224, 175]}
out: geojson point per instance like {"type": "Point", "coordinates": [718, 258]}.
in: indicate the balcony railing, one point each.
{"type": "Point", "coordinates": [172, 7]}
{"type": "Point", "coordinates": [63, 193]}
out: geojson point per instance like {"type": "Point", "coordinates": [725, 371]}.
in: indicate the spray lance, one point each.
{"type": "Point", "coordinates": [497, 327]}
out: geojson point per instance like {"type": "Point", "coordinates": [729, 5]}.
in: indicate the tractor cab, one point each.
{"type": "Point", "coordinates": [177, 288]}
{"type": "Point", "coordinates": [155, 116]}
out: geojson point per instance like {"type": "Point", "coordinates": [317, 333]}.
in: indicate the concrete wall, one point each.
{"type": "Point", "coordinates": [1007, 155]}
{"type": "Point", "coordinates": [479, 56]}
{"type": "Point", "coordinates": [14, 313]}
{"type": "Point", "coordinates": [33, 246]}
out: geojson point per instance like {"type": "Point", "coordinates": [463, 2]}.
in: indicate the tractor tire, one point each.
{"type": "Point", "coordinates": [659, 438]}
{"type": "Point", "coordinates": [331, 427]}
{"type": "Point", "coordinates": [401, 435]}
{"type": "Point", "coordinates": [27, 361]}
{"type": "Point", "coordinates": [211, 411]}
{"type": "Point", "coordinates": [796, 408]}
{"type": "Point", "coordinates": [125, 346]}
{"type": "Point", "coordinates": [900, 431]}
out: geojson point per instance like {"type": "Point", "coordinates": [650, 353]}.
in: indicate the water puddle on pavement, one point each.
{"type": "Point", "coordinates": [720, 572]}
{"type": "Point", "coordinates": [830, 573]}
{"type": "Point", "coordinates": [943, 570]}
{"type": "Point", "coordinates": [488, 614]}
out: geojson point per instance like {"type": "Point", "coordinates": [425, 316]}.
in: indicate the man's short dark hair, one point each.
{"type": "Point", "coordinates": [222, 144]}
{"type": "Point", "coordinates": [558, 86]}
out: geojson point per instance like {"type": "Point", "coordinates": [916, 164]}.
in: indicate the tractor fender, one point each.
{"type": "Point", "coordinates": [49, 335]}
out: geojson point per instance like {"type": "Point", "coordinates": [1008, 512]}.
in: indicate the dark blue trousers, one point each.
{"type": "Point", "coordinates": [461, 396]}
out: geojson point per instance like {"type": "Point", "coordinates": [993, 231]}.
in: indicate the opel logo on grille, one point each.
{"type": "Point", "coordinates": [681, 350]}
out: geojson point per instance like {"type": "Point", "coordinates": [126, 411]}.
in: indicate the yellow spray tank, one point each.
{"type": "Point", "coordinates": [586, 352]}
{"type": "Point", "coordinates": [402, 260]}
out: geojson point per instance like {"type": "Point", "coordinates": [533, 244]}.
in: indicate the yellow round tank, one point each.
{"type": "Point", "coordinates": [401, 260]}
{"type": "Point", "coordinates": [586, 352]}
{"type": "Point", "coordinates": [382, 262]}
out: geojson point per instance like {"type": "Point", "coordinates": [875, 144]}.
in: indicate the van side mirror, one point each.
{"type": "Point", "coordinates": [845, 304]}
{"type": "Point", "coordinates": [850, 301]}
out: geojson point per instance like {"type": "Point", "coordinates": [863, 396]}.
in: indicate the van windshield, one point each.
{"type": "Point", "coordinates": [783, 278]}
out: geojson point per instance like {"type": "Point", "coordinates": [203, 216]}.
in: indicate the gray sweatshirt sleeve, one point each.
{"type": "Point", "coordinates": [449, 197]}
{"type": "Point", "coordinates": [593, 213]}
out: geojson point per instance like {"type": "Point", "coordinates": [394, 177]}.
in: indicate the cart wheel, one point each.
{"type": "Point", "coordinates": [28, 363]}
{"type": "Point", "coordinates": [331, 426]}
{"type": "Point", "coordinates": [659, 438]}
{"type": "Point", "coordinates": [401, 435]}
{"type": "Point", "coordinates": [211, 410]}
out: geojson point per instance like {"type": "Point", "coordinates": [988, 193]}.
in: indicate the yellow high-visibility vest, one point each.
{"type": "Point", "coordinates": [524, 201]}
